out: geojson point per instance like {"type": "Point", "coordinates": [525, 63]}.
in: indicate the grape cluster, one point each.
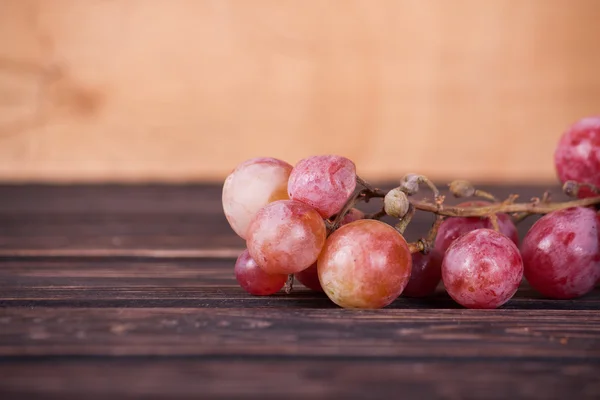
{"type": "Point", "coordinates": [300, 220]}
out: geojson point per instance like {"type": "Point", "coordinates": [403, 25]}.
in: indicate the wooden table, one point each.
{"type": "Point", "coordinates": [128, 292]}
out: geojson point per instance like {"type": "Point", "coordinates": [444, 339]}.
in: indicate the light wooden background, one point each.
{"type": "Point", "coordinates": [126, 90]}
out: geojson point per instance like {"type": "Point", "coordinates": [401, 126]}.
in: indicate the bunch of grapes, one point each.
{"type": "Point", "coordinates": [300, 221]}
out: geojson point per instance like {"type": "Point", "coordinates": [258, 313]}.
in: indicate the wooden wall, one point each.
{"type": "Point", "coordinates": [95, 90]}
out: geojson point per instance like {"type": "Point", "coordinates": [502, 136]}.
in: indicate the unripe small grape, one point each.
{"type": "Point", "coordinates": [396, 203]}
{"type": "Point", "coordinates": [409, 183]}
{"type": "Point", "coordinates": [461, 188]}
{"type": "Point", "coordinates": [571, 188]}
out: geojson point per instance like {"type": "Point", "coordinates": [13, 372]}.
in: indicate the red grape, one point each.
{"type": "Point", "coordinates": [561, 253]}
{"type": "Point", "coordinates": [252, 185]}
{"type": "Point", "coordinates": [310, 278]}
{"type": "Point", "coordinates": [482, 269]}
{"type": "Point", "coordinates": [452, 228]}
{"type": "Point", "coordinates": [577, 156]}
{"type": "Point", "coordinates": [323, 182]}
{"type": "Point", "coordinates": [365, 264]}
{"type": "Point", "coordinates": [354, 214]}
{"type": "Point", "coordinates": [426, 274]}
{"type": "Point", "coordinates": [254, 280]}
{"type": "Point", "coordinates": [285, 237]}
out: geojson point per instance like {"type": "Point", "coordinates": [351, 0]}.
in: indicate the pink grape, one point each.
{"type": "Point", "coordinates": [285, 237]}
{"type": "Point", "coordinates": [254, 280]}
{"type": "Point", "coordinates": [354, 214]}
{"type": "Point", "coordinates": [365, 264]}
{"type": "Point", "coordinates": [577, 156]}
{"type": "Point", "coordinates": [310, 278]}
{"type": "Point", "coordinates": [426, 274]}
{"type": "Point", "coordinates": [323, 182]}
{"type": "Point", "coordinates": [252, 185]}
{"type": "Point", "coordinates": [561, 253]}
{"type": "Point", "coordinates": [452, 228]}
{"type": "Point", "coordinates": [482, 269]}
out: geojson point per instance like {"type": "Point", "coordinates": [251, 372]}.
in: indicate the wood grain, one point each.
{"type": "Point", "coordinates": [130, 90]}
{"type": "Point", "coordinates": [278, 377]}
{"type": "Point", "coordinates": [184, 282]}
{"type": "Point", "coordinates": [157, 318]}
{"type": "Point", "coordinates": [145, 220]}
{"type": "Point", "coordinates": [273, 331]}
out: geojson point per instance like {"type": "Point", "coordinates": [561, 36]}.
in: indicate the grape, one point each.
{"type": "Point", "coordinates": [482, 269]}
{"type": "Point", "coordinates": [285, 237]}
{"type": "Point", "coordinates": [425, 275]}
{"type": "Point", "coordinates": [354, 214]}
{"type": "Point", "coordinates": [323, 182]}
{"type": "Point", "coordinates": [452, 228]}
{"type": "Point", "coordinates": [310, 278]}
{"type": "Point", "coordinates": [365, 264]}
{"type": "Point", "coordinates": [561, 253]}
{"type": "Point", "coordinates": [254, 280]}
{"type": "Point", "coordinates": [252, 185]}
{"type": "Point", "coordinates": [577, 156]}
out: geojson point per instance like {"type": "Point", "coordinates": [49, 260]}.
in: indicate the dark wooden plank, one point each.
{"type": "Point", "coordinates": [284, 378]}
{"type": "Point", "coordinates": [301, 332]}
{"type": "Point", "coordinates": [193, 282]}
{"type": "Point", "coordinates": [114, 231]}
{"type": "Point", "coordinates": [125, 217]}
{"type": "Point", "coordinates": [109, 306]}
{"type": "Point", "coordinates": [109, 198]}
{"type": "Point", "coordinates": [113, 217]}
{"type": "Point", "coordinates": [160, 198]}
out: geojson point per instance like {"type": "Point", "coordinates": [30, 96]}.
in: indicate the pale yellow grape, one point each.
{"type": "Point", "coordinates": [252, 185]}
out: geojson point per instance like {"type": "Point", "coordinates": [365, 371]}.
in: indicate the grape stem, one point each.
{"type": "Point", "coordinates": [378, 215]}
{"type": "Point", "coordinates": [416, 247]}
{"type": "Point", "coordinates": [410, 182]}
{"type": "Point", "coordinates": [504, 207]}
{"type": "Point", "coordinates": [494, 221]}
{"type": "Point", "coordinates": [508, 206]}
{"type": "Point", "coordinates": [518, 217]}
{"type": "Point", "coordinates": [485, 195]}
{"type": "Point", "coordinates": [289, 284]}
{"type": "Point", "coordinates": [425, 245]}
{"type": "Point", "coordinates": [405, 221]}
{"type": "Point", "coordinates": [461, 188]}
{"type": "Point", "coordinates": [364, 184]}
{"type": "Point", "coordinates": [351, 202]}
